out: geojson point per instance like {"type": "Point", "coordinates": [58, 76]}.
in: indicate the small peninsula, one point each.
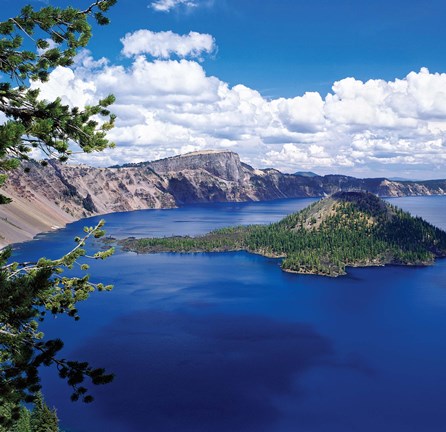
{"type": "Point", "coordinates": [354, 229]}
{"type": "Point", "coordinates": [45, 198]}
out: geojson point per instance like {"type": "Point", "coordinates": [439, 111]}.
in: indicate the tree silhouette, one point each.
{"type": "Point", "coordinates": [32, 44]}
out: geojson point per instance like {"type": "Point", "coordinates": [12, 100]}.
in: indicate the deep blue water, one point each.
{"type": "Point", "coordinates": [229, 343]}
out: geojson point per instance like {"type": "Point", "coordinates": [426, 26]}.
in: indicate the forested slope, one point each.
{"type": "Point", "coordinates": [345, 229]}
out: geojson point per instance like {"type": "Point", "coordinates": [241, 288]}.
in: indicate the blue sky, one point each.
{"type": "Point", "coordinates": [255, 75]}
{"type": "Point", "coordinates": [288, 47]}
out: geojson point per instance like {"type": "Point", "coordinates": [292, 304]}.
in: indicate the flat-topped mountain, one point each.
{"type": "Point", "coordinates": [223, 164]}
{"type": "Point", "coordinates": [51, 196]}
{"type": "Point", "coordinates": [345, 229]}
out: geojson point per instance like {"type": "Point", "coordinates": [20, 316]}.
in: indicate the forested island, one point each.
{"type": "Point", "coordinates": [45, 198]}
{"type": "Point", "coordinates": [345, 229]}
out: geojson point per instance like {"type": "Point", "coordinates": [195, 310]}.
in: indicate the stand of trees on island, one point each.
{"type": "Point", "coordinates": [345, 229]}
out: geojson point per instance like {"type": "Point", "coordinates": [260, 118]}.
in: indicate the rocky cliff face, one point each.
{"type": "Point", "coordinates": [48, 197]}
{"type": "Point", "coordinates": [224, 165]}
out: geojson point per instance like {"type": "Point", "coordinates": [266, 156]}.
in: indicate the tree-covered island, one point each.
{"type": "Point", "coordinates": [346, 229]}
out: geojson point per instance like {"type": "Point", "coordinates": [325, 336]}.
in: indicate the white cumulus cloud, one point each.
{"type": "Point", "coordinates": [167, 106]}
{"type": "Point", "coordinates": [168, 5]}
{"type": "Point", "coordinates": [166, 43]}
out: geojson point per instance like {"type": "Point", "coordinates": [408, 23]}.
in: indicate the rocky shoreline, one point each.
{"type": "Point", "coordinates": [346, 229]}
{"type": "Point", "coordinates": [52, 196]}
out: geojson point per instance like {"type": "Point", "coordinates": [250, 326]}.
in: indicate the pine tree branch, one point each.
{"type": "Point", "coordinates": [7, 333]}
{"type": "Point", "coordinates": [21, 28]}
{"type": "Point", "coordinates": [29, 266]}
{"type": "Point", "coordinates": [91, 7]}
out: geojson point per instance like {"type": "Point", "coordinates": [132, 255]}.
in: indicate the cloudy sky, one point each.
{"type": "Point", "coordinates": [333, 86]}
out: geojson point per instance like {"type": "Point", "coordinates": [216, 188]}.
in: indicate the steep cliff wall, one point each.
{"type": "Point", "coordinates": [48, 197]}
{"type": "Point", "coordinates": [224, 165]}
{"type": "Point", "coordinates": [51, 196]}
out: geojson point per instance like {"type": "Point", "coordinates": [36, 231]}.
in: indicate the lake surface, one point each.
{"type": "Point", "coordinates": [230, 343]}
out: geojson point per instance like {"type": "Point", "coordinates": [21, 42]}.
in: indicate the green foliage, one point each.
{"type": "Point", "coordinates": [43, 419]}
{"type": "Point", "coordinates": [359, 229]}
{"type": "Point", "coordinates": [51, 126]}
{"type": "Point", "coordinates": [32, 44]}
{"type": "Point", "coordinates": [23, 424]}
{"type": "Point", "coordinates": [347, 229]}
{"type": "Point", "coordinates": [67, 29]}
{"type": "Point", "coordinates": [40, 419]}
{"type": "Point", "coordinates": [226, 239]}
{"type": "Point", "coordinates": [28, 292]}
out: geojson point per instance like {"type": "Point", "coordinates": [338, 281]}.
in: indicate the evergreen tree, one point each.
{"type": "Point", "coordinates": [6, 412]}
{"type": "Point", "coordinates": [43, 419]}
{"type": "Point", "coordinates": [24, 422]}
{"type": "Point", "coordinates": [31, 45]}
{"type": "Point", "coordinates": [348, 228]}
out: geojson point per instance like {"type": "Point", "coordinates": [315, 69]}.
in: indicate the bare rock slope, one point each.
{"type": "Point", "coordinates": [51, 196]}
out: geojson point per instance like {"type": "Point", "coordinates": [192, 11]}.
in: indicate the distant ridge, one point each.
{"type": "Point", "coordinates": [52, 196]}
{"type": "Point", "coordinates": [402, 179]}
{"type": "Point", "coordinates": [306, 174]}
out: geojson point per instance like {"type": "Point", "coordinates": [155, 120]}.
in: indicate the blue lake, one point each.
{"type": "Point", "coordinates": [230, 343]}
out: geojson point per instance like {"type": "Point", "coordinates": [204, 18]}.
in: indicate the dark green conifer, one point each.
{"type": "Point", "coordinates": [349, 228]}
{"type": "Point", "coordinates": [43, 419]}
{"type": "Point", "coordinates": [24, 422]}
{"type": "Point", "coordinates": [32, 44]}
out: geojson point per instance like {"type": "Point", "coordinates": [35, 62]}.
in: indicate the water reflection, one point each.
{"type": "Point", "coordinates": [202, 372]}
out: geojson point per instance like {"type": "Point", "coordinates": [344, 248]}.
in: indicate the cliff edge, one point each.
{"type": "Point", "coordinates": [49, 197]}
